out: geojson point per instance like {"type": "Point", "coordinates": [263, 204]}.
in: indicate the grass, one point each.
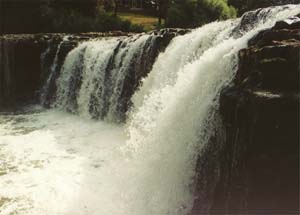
{"type": "Point", "coordinates": [149, 22]}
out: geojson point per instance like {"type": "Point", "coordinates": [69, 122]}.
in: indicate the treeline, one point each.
{"type": "Point", "coordinates": [193, 13]}
{"type": "Point", "coordinates": [34, 16]}
{"type": "Point", "coordinates": [179, 13]}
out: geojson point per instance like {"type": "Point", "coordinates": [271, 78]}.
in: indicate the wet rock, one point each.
{"type": "Point", "coordinates": [290, 23]}
{"type": "Point", "coordinates": [259, 156]}
{"type": "Point", "coordinates": [283, 33]}
{"type": "Point", "coordinates": [167, 34]}
{"type": "Point", "coordinates": [20, 68]}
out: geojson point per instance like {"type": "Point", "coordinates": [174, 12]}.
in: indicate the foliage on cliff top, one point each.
{"type": "Point", "coordinates": [193, 13]}
{"type": "Point", "coordinates": [68, 20]}
{"type": "Point", "coordinates": [70, 16]}
{"type": "Point", "coordinates": [35, 16]}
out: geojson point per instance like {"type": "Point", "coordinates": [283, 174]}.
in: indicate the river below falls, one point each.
{"type": "Point", "coordinates": [56, 163]}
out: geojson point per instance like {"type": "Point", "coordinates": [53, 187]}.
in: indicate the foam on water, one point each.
{"type": "Point", "coordinates": [53, 163]}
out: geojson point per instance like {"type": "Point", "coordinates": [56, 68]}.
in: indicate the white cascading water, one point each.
{"type": "Point", "coordinates": [88, 62]}
{"type": "Point", "coordinates": [53, 71]}
{"type": "Point", "coordinates": [93, 76]}
{"type": "Point", "coordinates": [61, 164]}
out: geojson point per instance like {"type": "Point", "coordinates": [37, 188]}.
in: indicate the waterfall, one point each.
{"type": "Point", "coordinates": [176, 108]}
{"type": "Point", "coordinates": [84, 66]}
{"type": "Point", "coordinates": [46, 91]}
{"type": "Point", "coordinates": [99, 77]}
{"type": "Point", "coordinates": [141, 116]}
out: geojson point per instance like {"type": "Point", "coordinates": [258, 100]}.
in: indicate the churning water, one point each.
{"type": "Point", "coordinates": [91, 161]}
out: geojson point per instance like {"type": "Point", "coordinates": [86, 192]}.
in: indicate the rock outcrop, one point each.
{"type": "Point", "coordinates": [256, 153]}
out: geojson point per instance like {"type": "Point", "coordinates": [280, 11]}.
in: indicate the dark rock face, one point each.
{"type": "Point", "coordinates": [258, 149]}
{"type": "Point", "coordinates": [20, 68]}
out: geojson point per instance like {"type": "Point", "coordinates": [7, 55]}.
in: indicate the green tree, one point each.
{"type": "Point", "coordinates": [211, 10]}
{"type": "Point", "coordinates": [193, 13]}
{"type": "Point", "coordinates": [182, 13]}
